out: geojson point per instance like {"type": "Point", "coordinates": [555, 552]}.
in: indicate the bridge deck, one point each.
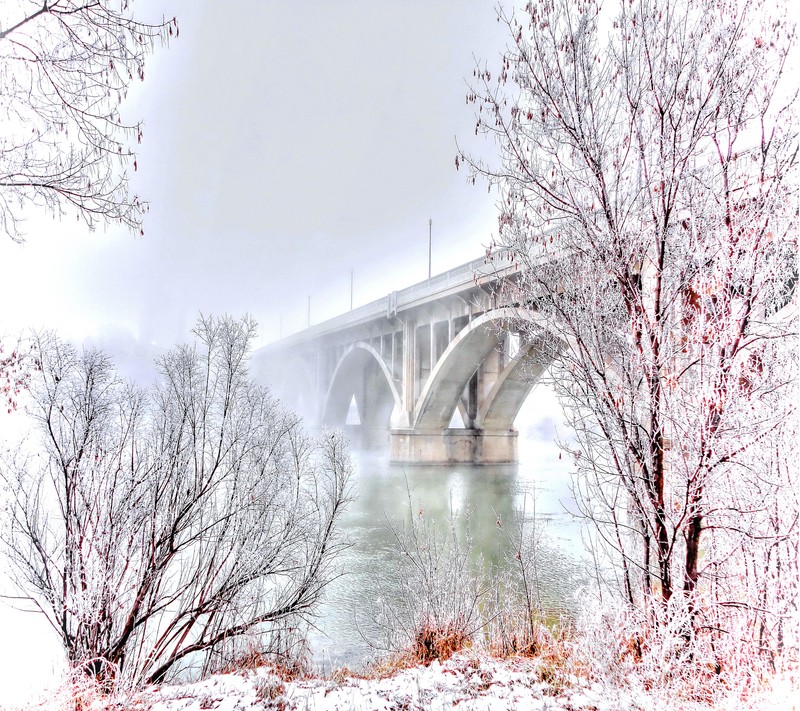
{"type": "Point", "coordinates": [478, 271]}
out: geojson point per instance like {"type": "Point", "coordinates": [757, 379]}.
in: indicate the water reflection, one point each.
{"type": "Point", "coordinates": [481, 497]}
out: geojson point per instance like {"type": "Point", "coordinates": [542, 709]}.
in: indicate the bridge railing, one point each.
{"type": "Point", "coordinates": [494, 265]}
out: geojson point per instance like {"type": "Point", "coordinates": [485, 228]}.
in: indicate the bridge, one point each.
{"type": "Point", "coordinates": [437, 371]}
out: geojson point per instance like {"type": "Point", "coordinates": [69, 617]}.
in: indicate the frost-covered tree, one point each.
{"type": "Point", "coordinates": [155, 529]}
{"type": "Point", "coordinates": [65, 67]}
{"type": "Point", "coordinates": [13, 375]}
{"type": "Point", "coordinates": [647, 177]}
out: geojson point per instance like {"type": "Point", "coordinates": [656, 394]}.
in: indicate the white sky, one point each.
{"type": "Point", "coordinates": [285, 144]}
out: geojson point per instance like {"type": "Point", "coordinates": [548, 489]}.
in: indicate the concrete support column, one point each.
{"type": "Point", "coordinates": [453, 446]}
{"type": "Point", "coordinates": [409, 367]}
{"type": "Point", "coordinates": [490, 370]}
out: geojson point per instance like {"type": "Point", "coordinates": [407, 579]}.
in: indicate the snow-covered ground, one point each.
{"type": "Point", "coordinates": [463, 682]}
{"type": "Point", "coordinates": [467, 682]}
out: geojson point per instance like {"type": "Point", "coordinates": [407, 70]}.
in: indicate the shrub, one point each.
{"type": "Point", "coordinates": [431, 606]}
{"type": "Point", "coordinates": [439, 642]}
{"type": "Point", "coordinates": [157, 529]}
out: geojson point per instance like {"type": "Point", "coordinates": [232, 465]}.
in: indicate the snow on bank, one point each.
{"type": "Point", "coordinates": [466, 682]}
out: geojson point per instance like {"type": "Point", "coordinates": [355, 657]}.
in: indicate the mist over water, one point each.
{"type": "Point", "coordinates": [386, 494]}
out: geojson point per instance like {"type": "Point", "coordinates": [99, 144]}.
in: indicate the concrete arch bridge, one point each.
{"type": "Point", "coordinates": [437, 371]}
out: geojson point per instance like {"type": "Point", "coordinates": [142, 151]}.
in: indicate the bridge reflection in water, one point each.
{"type": "Point", "coordinates": [437, 371]}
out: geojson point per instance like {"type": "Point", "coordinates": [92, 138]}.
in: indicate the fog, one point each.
{"type": "Point", "coordinates": [285, 145]}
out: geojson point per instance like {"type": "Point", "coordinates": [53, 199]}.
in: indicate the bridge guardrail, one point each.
{"type": "Point", "coordinates": [499, 263]}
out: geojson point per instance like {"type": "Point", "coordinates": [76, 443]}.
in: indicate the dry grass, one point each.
{"type": "Point", "coordinates": [439, 642]}
{"type": "Point", "coordinates": [92, 685]}
{"type": "Point", "coordinates": [431, 642]}
{"type": "Point", "coordinates": [515, 634]}
{"type": "Point", "coordinates": [285, 665]}
{"type": "Point", "coordinates": [620, 648]}
{"type": "Point", "coordinates": [272, 691]}
{"type": "Point", "coordinates": [552, 647]}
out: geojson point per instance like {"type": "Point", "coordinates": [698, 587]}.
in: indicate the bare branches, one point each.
{"type": "Point", "coordinates": [656, 169]}
{"type": "Point", "coordinates": [155, 529]}
{"type": "Point", "coordinates": [65, 68]}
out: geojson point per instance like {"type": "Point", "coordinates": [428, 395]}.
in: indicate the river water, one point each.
{"type": "Point", "coordinates": [537, 489]}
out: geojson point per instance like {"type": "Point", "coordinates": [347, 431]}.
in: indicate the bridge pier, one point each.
{"type": "Point", "coordinates": [453, 446]}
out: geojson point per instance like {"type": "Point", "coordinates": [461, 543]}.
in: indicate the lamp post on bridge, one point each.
{"type": "Point", "coordinates": [430, 226]}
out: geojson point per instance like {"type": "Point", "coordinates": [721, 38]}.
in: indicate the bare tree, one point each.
{"type": "Point", "coordinates": [647, 182]}
{"type": "Point", "coordinates": [65, 67]}
{"type": "Point", "coordinates": [154, 529]}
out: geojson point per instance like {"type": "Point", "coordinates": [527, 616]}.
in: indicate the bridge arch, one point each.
{"type": "Point", "coordinates": [361, 374]}
{"type": "Point", "coordinates": [469, 349]}
{"type": "Point", "coordinates": [512, 387]}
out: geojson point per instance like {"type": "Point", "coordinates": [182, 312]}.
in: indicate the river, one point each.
{"type": "Point", "coordinates": [385, 495]}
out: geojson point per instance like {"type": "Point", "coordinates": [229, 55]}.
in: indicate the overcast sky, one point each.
{"type": "Point", "coordinates": [285, 143]}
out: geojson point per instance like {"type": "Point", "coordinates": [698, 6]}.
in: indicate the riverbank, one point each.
{"type": "Point", "coordinates": [464, 682]}
{"type": "Point", "coordinates": [469, 681]}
